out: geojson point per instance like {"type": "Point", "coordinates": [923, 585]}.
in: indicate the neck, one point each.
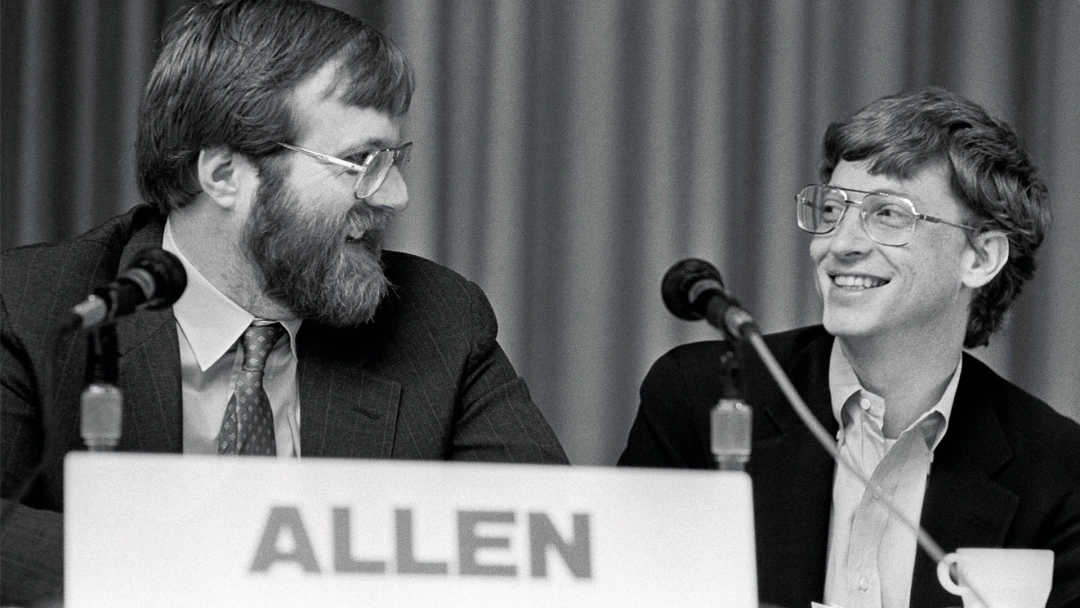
{"type": "Point", "coordinates": [909, 374]}
{"type": "Point", "coordinates": [211, 241]}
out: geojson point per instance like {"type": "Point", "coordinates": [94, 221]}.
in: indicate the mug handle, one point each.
{"type": "Point", "coordinates": [944, 574]}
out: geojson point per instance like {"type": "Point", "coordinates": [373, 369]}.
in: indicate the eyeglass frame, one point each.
{"type": "Point", "coordinates": [400, 156]}
{"type": "Point", "coordinates": [971, 230]}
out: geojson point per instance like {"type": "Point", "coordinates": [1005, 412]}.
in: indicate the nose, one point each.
{"type": "Point", "coordinates": [392, 194]}
{"type": "Point", "coordinates": [850, 237]}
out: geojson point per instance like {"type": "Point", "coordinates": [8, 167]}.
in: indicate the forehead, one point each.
{"type": "Point", "coordinates": [928, 187]}
{"type": "Point", "coordinates": [328, 125]}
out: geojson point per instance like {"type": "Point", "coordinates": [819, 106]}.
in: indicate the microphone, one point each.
{"type": "Point", "coordinates": [155, 279]}
{"type": "Point", "coordinates": [692, 290]}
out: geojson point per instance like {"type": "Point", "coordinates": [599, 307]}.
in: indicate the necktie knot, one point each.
{"type": "Point", "coordinates": [258, 341]}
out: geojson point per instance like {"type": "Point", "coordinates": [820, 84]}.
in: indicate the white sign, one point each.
{"type": "Point", "coordinates": [157, 530]}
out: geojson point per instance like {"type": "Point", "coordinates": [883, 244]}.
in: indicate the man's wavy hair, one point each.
{"type": "Point", "coordinates": [989, 172]}
{"type": "Point", "coordinates": [225, 77]}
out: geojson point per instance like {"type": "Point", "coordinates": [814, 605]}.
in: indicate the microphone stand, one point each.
{"type": "Point", "coordinates": [731, 417]}
{"type": "Point", "coordinates": [101, 404]}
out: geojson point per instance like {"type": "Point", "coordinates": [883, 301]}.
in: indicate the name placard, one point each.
{"type": "Point", "coordinates": [157, 530]}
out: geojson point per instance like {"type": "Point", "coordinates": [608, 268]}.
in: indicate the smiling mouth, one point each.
{"type": "Point", "coordinates": [850, 282]}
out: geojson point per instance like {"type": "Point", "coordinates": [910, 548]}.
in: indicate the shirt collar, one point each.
{"type": "Point", "coordinates": [211, 322]}
{"type": "Point", "coordinates": [843, 383]}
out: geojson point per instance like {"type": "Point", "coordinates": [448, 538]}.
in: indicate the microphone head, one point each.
{"type": "Point", "coordinates": [168, 274]}
{"type": "Point", "coordinates": [680, 279]}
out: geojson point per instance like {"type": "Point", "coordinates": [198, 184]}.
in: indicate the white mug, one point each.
{"type": "Point", "coordinates": [1003, 578]}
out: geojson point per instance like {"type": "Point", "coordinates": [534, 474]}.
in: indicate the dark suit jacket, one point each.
{"type": "Point", "coordinates": [425, 379]}
{"type": "Point", "coordinates": [1006, 474]}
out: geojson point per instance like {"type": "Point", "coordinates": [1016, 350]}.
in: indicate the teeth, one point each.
{"type": "Point", "coordinates": [857, 282]}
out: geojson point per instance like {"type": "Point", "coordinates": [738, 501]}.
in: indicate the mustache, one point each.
{"type": "Point", "coordinates": [366, 220]}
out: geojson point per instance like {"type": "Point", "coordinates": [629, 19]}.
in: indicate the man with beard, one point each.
{"type": "Point", "coordinates": [925, 226]}
{"type": "Point", "coordinates": [269, 149]}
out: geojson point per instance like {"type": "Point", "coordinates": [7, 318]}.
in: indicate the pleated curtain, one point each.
{"type": "Point", "coordinates": [568, 152]}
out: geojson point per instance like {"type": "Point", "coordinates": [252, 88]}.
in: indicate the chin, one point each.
{"type": "Point", "coordinates": [848, 325]}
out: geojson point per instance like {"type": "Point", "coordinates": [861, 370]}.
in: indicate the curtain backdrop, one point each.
{"type": "Point", "coordinates": [567, 152]}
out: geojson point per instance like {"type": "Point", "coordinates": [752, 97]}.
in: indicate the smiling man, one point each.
{"type": "Point", "coordinates": [925, 226]}
{"type": "Point", "coordinates": [270, 151]}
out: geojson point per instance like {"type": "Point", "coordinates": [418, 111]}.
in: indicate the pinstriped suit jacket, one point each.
{"type": "Point", "coordinates": [425, 379]}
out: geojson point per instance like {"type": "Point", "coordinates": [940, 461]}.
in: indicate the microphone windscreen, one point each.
{"type": "Point", "coordinates": [168, 273]}
{"type": "Point", "coordinates": [680, 279]}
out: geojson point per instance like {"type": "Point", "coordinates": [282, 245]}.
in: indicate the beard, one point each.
{"type": "Point", "coordinates": [309, 261]}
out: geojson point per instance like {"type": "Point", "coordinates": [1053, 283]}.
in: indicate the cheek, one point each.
{"type": "Point", "coordinates": [819, 246]}
{"type": "Point", "coordinates": [939, 263]}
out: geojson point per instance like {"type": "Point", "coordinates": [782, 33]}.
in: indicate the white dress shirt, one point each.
{"type": "Point", "coordinates": [209, 327]}
{"type": "Point", "coordinates": [870, 555]}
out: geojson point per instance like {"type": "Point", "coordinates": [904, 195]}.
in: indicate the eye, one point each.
{"type": "Point", "coordinates": [830, 209]}
{"type": "Point", "coordinates": [360, 157]}
{"type": "Point", "coordinates": [891, 214]}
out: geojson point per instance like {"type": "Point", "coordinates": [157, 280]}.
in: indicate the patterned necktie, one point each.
{"type": "Point", "coordinates": [248, 425]}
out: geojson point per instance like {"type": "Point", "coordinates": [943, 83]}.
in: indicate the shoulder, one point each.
{"type": "Point", "coordinates": [426, 294]}
{"type": "Point", "coordinates": [1035, 432]}
{"type": "Point", "coordinates": [412, 276]}
{"type": "Point", "coordinates": [702, 358]}
{"type": "Point", "coordinates": [1015, 406]}
{"type": "Point", "coordinates": [42, 277]}
{"type": "Point", "coordinates": [695, 368]}
{"type": "Point", "coordinates": [109, 237]}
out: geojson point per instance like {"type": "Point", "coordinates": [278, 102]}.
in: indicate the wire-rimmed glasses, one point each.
{"type": "Point", "coordinates": [888, 219]}
{"type": "Point", "coordinates": [370, 172]}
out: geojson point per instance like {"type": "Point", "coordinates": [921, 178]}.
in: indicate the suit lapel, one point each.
{"type": "Point", "coordinates": [150, 380]}
{"type": "Point", "coordinates": [346, 411]}
{"type": "Point", "coordinates": [149, 366]}
{"type": "Point", "coordinates": [792, 495]}
{"type": "Point", "coordinates": [963, 506]}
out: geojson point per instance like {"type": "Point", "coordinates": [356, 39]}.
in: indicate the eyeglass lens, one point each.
{"type": "Point", "coordinates": [377, 167]}
{"type": "Point", "coordinates": [885, 218]}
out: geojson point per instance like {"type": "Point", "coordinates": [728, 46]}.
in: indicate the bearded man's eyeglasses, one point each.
{"type": "Point", "coordinates": [371, 169]}
{"type": "Point", "coordinates": [887, 218]}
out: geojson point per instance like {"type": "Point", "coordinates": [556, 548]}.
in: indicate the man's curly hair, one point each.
{"type": "Point", "coordinates": [989, 172]}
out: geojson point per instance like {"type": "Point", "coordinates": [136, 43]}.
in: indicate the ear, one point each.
{"type": "Point", "coordinates": [985, 257]}
{"type": "Point", "coordinates": [219, 175]}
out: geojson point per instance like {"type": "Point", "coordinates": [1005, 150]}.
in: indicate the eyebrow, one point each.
{"type": "Point", "coordinates": [898, 193]}
{"type": "Point", "coordinates": [376, 143]}
{"type": "Point", "coordinates": [889, 191]}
